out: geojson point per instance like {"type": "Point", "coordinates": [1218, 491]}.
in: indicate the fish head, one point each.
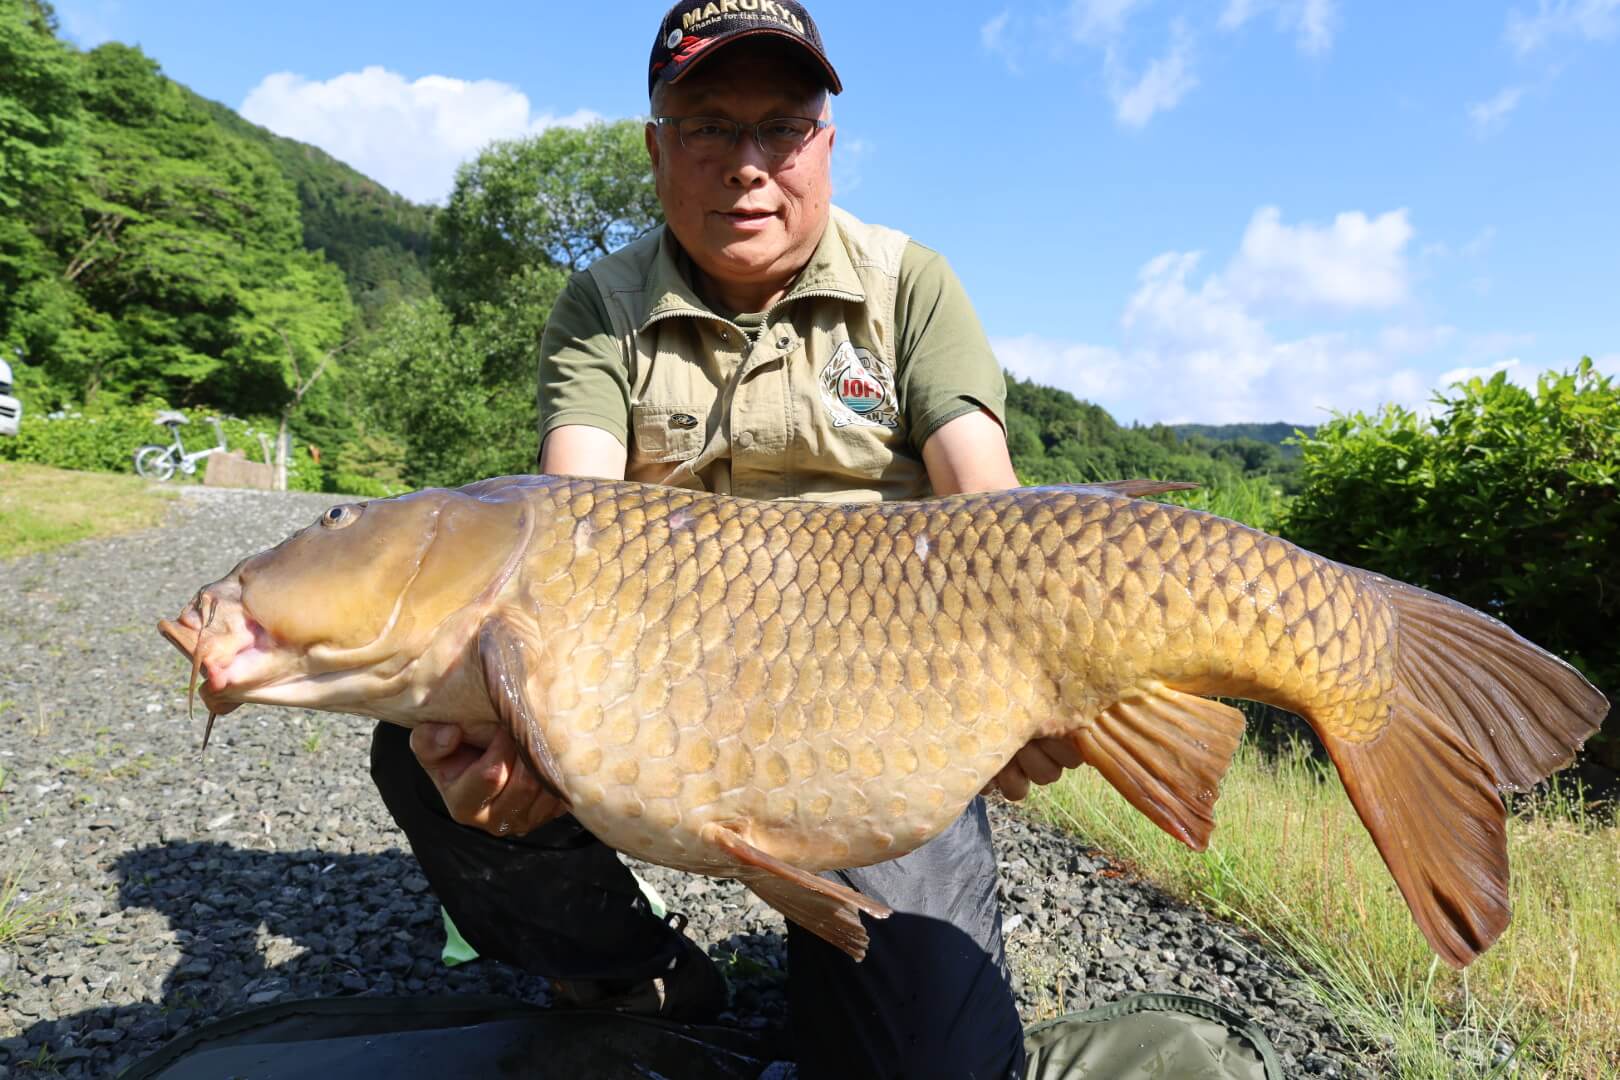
{"type": "Point", "coordinates": [331, 616]}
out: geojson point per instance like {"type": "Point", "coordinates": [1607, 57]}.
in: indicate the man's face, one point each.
{"type": "Point", "coordinates": [745, 218]}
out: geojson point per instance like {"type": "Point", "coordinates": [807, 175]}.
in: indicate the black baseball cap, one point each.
{"type": "Point", "coordinates": [694, 29]}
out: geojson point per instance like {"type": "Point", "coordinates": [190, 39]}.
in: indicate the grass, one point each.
{"type": "Point", "coordinates": [1253, 500]}
{"type": "Point", "coordinates": [1291, 860]}
{"type": "Point", "coordinates": [43, 508]}
{"type": "Point", "coordinates": [20, 916]}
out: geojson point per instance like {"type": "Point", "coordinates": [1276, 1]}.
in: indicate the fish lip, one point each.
{"type": "Point", "coordinates": [216, 666]}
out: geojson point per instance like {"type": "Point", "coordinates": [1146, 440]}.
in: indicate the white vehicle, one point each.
{"type": "Point", "coordinates": [10, 407]}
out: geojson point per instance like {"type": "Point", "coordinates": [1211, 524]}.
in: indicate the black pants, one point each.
{"type": "Point", "coordinates": [931, 999]}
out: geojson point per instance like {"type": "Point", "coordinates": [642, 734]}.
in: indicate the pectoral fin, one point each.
{"type": "Point", "coordinates": [825, 908]}
{"type": "Point", "coordinates": [506, 658]}
{"type": "Point", "coordinates": [1166, 752]}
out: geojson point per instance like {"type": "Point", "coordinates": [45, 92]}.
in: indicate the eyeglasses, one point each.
{"type": "Point", "coordinates": [713, 136]}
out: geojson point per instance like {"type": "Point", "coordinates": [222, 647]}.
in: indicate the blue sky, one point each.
{"type": "Point", "coordinates": [1212, 210]}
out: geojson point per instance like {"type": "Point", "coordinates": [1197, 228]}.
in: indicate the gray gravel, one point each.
{"type": "Point", "coordinates": [186, 888]}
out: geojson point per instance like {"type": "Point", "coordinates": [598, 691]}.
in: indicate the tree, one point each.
{"type": "Point", "coordinates": [183, 262]}
{"type": "Point", "coordinates": [1505, 499]}
{"type": "Point", "coordinates": [41, 125]}
{"type": "Point", "coordinates": [562, 199]}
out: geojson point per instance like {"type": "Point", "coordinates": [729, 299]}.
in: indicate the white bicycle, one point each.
{"type": "Point", "coordinates": [159, 462]}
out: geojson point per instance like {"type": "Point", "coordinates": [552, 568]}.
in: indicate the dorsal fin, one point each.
{"type": "Point", "coordinates": [1136, 489]}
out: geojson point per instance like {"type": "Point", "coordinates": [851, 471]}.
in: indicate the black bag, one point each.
{"type": "Point", "coordinates": [440, 1038]}
{"type": "Point", "coordinates": [1157, 1036]}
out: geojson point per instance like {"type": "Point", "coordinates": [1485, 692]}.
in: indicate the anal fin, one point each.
{"type": "Point", "coordinates": [825, 908]}
{"type": "Point", "coordinates": [1166, 752]}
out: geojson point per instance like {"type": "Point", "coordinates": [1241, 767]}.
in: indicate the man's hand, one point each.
{"type": "Point", "coordinates": [1040, 761]}
{"type": "Point", "coordinates": [490, 789]}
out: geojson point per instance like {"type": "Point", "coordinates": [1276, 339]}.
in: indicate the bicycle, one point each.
{"type": "Point", "coordinates": [158, 463]}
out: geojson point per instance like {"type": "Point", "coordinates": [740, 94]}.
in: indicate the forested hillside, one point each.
{"type": "Point", "coordinates": [158, 250]}
{"type": "Point", "coordinates": [1278, 434]}
{"type": "Point", "coordinates": [378, 239]}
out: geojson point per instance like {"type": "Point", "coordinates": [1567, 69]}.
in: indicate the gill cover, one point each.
{"type": "Point", "coordinates": [371, 573]}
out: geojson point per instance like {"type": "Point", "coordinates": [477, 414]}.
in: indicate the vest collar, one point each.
{"type": "Point", "coordinates": [828, 273]}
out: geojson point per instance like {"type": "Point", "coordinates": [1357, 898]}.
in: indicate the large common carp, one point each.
{"type": "Point", "coordinates": [763, 690]}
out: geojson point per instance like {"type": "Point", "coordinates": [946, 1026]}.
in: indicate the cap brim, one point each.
{"type": "Point", "coordinates": [674, 73]}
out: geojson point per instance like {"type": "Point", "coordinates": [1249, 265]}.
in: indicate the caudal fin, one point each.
{"type": "Point", "coordinates": [1476, 708]}
{"type": "Point", "coordinates": [1432, 809]}
{"type": "Point", "coordinates": [1522, 709]}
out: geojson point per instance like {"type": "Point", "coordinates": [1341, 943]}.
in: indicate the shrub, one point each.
{"type": "Point", "coordinates": [1504, 499]}
{"type": "Point", "coordinates": [105, 440]}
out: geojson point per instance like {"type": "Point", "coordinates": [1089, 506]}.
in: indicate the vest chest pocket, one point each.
{"type": "Point", "coordinates": [665, 433]}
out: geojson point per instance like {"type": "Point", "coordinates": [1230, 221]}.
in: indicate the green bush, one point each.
{"type": "Point", "coordinates": [345, 483]}
{"type": "Point", "coordinates": [1506, 500]}
{"type": "Point", "coordinates": [105, 440]}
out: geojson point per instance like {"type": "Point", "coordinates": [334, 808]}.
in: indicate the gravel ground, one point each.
{"type": "Point", "coordinates": [188, 888]}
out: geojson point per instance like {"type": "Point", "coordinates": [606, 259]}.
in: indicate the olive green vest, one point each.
{"type": "Point", "coordinates": [807, 409]}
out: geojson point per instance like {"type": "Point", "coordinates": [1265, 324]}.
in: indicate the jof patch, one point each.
{"type": "Point", "coordinates": [858, 388]}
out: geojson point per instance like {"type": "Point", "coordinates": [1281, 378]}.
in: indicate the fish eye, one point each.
{"type": "Point", "coordinates": [340, 516]}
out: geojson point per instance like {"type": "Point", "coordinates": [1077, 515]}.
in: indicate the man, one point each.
{"type": "Point", "coordinates": [761, 344]}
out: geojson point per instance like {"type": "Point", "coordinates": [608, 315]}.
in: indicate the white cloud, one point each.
{"type": "Point", "coordinates": [1355, 263]}
{"type": "Point", "coordinates": [1098, 22]}
{"type": "Point", "coordinates": [1402, 339]}
{"type": "Point", "coordinates": [1199, 344]}
{"type": "Point", "coordinates": [1517, 372]}
{"type": "Point", "coordinates": [1093, 372]}
{"type": "Point", "coordinates": [1479, 244]}
{"type": "Point", "coordinates": [1314, 22]}
{"type": "Point", "coordinates": [1488, 117]}
{"type": "Point", "coordinates": [1593, 20]}
{"type": "Point", "coordinates": [1159, 88]}
{"type": "Point", "coordinates": [849, 164]}
{"type": "Point", "coordinates": [997, 41]}
{"type": "Point", "coordinates": [409, 135]}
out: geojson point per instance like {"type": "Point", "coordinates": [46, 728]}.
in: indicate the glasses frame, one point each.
{"type": "Point", "coordinates": [738, 127]}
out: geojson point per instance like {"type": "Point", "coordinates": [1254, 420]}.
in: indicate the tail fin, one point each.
{"type": "Point", "coordinates": [1475, 708]}
{"type": "Point", "coordinates": [1431, 806]}
{"type": "Point", "coordinates": [1523, 710]}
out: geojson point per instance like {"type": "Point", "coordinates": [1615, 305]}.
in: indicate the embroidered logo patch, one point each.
{"type": "Point", "coordinates": [858, 388]}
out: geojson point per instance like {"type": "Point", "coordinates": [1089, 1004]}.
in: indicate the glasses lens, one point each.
{"type": "Point", "coordinates": [784, 135]}
{"type": "Point", "coordinates": [708, 135]}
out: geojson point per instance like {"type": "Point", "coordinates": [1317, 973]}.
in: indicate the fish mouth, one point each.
{"type": "Point", "coordinates": [228, 655]}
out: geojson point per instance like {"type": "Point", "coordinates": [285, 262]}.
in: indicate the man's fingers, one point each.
{"type": "Point", "coordinates": [1037, 764]}
{"type": "Point", "coordinates": [1012, 781]}
{"type": "Point", "coordinates": [434, 742]}
{"type": "Point", "coordinates": [1063, 751]}
{"type": "Point", "coordinates": [472, 782]}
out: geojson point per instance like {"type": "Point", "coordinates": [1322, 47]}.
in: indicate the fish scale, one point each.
{"type": "Point", "coordinates": [747, 569]}
{"type": "Point", "coordinates": [766, 690]}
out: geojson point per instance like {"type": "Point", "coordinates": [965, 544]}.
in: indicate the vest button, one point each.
{"type": "Point", "coordinates": [745, 440]}
{"type": "Point", "coordinates": [782, 342]}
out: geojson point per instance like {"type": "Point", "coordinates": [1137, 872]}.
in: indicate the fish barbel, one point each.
{"type": "Point", "coordinates": [764, 690]}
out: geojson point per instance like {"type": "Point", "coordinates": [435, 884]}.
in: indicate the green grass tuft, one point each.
{"type": "Point", "coordinates": [1290, 860]}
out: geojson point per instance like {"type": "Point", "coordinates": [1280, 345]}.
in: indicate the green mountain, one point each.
{"type": "Point", "coordinates": [377, 238]}
{"type": "Point", "coordinates": [1275, 433]}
